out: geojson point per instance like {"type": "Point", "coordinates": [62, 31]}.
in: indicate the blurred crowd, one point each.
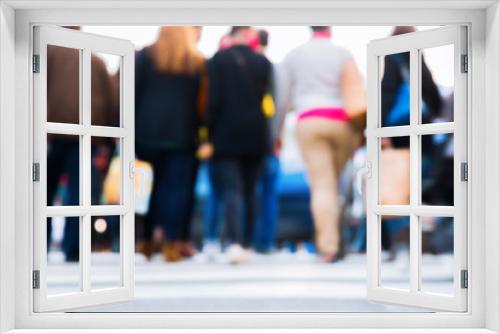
{"type": "Point", "coordinates": [225, 116]}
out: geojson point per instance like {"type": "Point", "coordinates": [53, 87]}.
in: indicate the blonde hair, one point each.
{"type": "Point", "coordinates": [175, 51]}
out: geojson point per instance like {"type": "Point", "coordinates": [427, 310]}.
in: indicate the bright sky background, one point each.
{"type": "Point", "coordinates": [282, 39]}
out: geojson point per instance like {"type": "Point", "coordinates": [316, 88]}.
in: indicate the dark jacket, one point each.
{"type": "Point", "coordinates": [392, 80]}
{"type": "Point", "coordinates": [63, 102]}
{"type": "Point", "coordinates": [238, 80]}
{"type": "Point", "coordinates": [165, 107]}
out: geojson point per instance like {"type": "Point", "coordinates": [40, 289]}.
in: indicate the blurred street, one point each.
{"type": "Point", "coordinates": [281, 282]}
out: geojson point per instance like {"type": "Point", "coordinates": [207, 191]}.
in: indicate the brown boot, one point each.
{"type": "Point", "coordinates": [186, 249]}
{"type": "Point", "coordinates": [145, 247]}
{"type": "Point", "coordinates": [171, 252]}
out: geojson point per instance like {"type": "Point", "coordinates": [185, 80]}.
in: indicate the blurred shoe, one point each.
{"type": "Point", "coordinates": [333, 256]}
{"type": "Point", "coordinates": [237, 254]}
{"type": "Point", "coordinates": [145, 247]}
{"type": "Point", "coordinates": [171, 252]}
{"type": "Point", "coordinates": [71, 257]}
{"type": "Point", "coordinates": [330, 258]}
{"type": "Point", "coordinates": [186, 249]}
{"type": "Point", "coordinates": [211, 250]}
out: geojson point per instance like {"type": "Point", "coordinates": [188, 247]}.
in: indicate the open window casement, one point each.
{"type": "Point", "coordinates": [415, 211]}
{"type": "Point", "coordinates": [78, 279]}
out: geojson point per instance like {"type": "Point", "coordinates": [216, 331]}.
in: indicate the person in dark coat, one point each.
{"type": "Point", "coordinates": [169, 87]}
{"type": "Point", "coordinates": [239, 132]}
{"type": "Point", "coordinates": [395, 67]}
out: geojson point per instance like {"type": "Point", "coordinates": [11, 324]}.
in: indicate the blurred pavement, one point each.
{"type": "Point", "coordinates": [281, 282]}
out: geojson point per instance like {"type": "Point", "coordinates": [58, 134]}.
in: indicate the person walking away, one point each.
{"type": "Point", "coordinates": [238, 129]}
{"type": "Point", "coordinates": [321, 83]}
{"type": "Point", "coordinates": [211, 244]}
{"type": "Point", "coordinates": [168, 89]}
{"type": "Point", "coordinates": [63, 156]}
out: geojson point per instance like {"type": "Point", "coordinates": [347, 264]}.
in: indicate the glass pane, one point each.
{"type": "Point", "coordinates": [105, 90]}
{"type": "Point", "coordinates": [394, 171]}
{"type": "Point", "coordinates": [106, 171]}
{"type": "Point", "coordinates": [63, 170]}
{"type": "Point", "coordinates": [105, 247]}
{"type": "Point", "coordinates": [63, 85]}
{"type": "Point", "coordinates": [63, 261]}
{"type": "Point", "coordinates": [437, 169]}
{"type": "Point", "coordinates": [395, 254]}
{"type": "Point", "coordinates": [437, 84]}
{"type": "Point", "coordinates": [395, 89]}
{"type": "Point", "coordinates": [437, 255]}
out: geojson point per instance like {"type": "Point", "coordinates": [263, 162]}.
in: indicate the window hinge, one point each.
{"type": "Point", "coordinates": [36, 63]}
{"type": "Point", "coordinates": [464, 279]}
{"type": "Point", "coordinates": [36, 172]}
{"type": "Point", "coordinates": [36, 279]}
{"type": "Point", "coordinates": [464, 171]}
{"type": "Point", "coordinates": [465, 64]}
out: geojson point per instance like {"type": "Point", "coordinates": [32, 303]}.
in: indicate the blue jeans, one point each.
{"type": "Point", "coordinates": [212, 207]}
{"type": "Point", "coordinates": [266, 227]}
{"type": "Point", "coordinates": [391, 227]}
{"type": "Point", "coordinates": [359, 242]}
{"type": "Point", "coordinates": [171, 197]}
{"type": "Point", "coordinates": [235, 180]}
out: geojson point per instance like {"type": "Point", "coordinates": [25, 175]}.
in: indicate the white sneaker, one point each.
{"type": "Point", "coordinates": [209, 252]}
{"type": "Point", "coordinates": [237, 254]}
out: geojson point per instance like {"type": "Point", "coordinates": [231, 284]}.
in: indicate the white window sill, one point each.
{"type": "Point", "coordinates": [252, 331]}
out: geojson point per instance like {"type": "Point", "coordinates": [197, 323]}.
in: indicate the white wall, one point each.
{"type": "Point", "coordinates": [7, 168]}
{"type": "Point", "coordinates": [493, 164]}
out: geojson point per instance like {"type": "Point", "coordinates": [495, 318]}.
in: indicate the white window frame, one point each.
{"type": "Point", "coordinates": [415, 44]}
{"type": "Point", "coordinates": [16, 20]}
{"type": "Point", "coordinates": [86, 44]}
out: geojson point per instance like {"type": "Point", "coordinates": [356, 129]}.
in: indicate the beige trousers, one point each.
{"type": "Point", "coordinates": [326, 146]}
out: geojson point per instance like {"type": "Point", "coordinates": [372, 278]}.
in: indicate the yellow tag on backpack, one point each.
{"type": "Point", "coordinates": [268, 105]}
